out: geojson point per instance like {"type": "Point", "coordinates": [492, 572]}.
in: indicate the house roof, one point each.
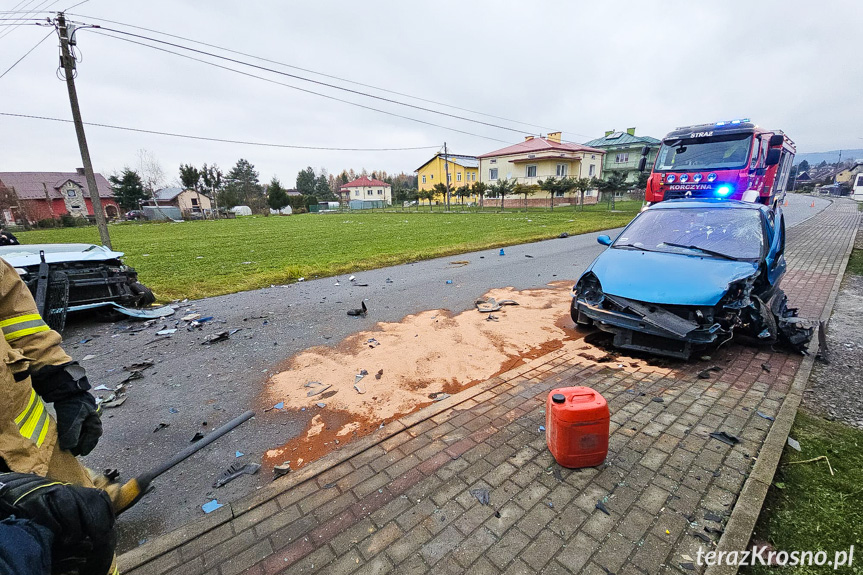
{"type": "Point", "coordinates": [29, 185]}
{"type": "Point", "coordinates": [167, 194]}
{"type": "Point", "coordinates": [540, 145]}
{"type": "Point", "coordinates": [620, 139]}
{"type": "Point", "coordinates": [458, 159]}
{"type": "Point", "coordinates": [364, 182]}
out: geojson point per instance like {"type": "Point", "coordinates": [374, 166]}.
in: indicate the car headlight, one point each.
{"type": "Point", "coordinates": [589, 289]}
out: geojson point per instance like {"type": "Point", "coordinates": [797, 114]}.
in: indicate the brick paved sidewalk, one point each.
{"type": "Point", "coordinates": [399, 501]}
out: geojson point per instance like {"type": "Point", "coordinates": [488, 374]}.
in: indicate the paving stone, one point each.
{"type": "Point", "coordinates": [443, 543]}
{"type": "Point", "coordinates": [507, 548]}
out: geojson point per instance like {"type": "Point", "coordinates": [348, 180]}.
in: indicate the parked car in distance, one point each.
{"type": "Point", "coordinates": [80, 277]}
{"type": "Point", "coordinates": [688, 273]}
{"type": "Point", "coordinates": [132, 215]}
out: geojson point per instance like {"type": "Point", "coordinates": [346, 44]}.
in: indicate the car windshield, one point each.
{"type": "Point", "coordinates": [711, 232]}
{"type": "Point", "coordinates": [715, 153]}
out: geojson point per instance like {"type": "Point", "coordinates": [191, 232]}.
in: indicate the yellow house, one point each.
{"type": "Point", "coordinates": [463, 170]}
{"type": "Point", "coordinates": [848, 174]}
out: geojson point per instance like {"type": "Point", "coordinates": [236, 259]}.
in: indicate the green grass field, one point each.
{"type": "Point", "coordinates": [198, 259]}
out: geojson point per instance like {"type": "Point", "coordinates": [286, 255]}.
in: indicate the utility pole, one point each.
{"type": "Point", "coordinates": [68, 64]}
{"type": "Point", "coordinates": [446, 168]}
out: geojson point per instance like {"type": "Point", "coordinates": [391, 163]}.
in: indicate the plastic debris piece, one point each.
{"type": "Point", "coordinates": [140, 366]}
{"type": "Point", "coordinates": [215, 337]}
{"type": "Point", "coordinates": [197, 437]}
{"type": "Point", "coordinates": [317, 388]}
{"type": "Point", "coordinates": [359, 389]}
{"type": "Point", "coordinates": [601, 506]}
{"type": "Point", "coordinates": [487, 306]}
{"type": "Point", "coordinates": [166, 331]}
{"type": "Point", "coordinates": [702, 536]}
{"type": "Point", "coordinates": [238, 454]}
{"type": "Point", "coordinates": [282, 469]}
{"type": "Point", "coordinates": [501, 251]}
{"type": "Point", "coordinates": [448, 281]}
{"type": "Point", "coordinates": [190, 317]}
{"type": "Point", "coordinates": [658, 400]}
{"type": "Point", "coordinates": [557, 474]}
{"type": "Point", "coordinates": [711, 516]}
{"type": "Point", "coordinates": [361, 311]}
{"type": "Point", "coordinates": [352, 278]}
{"type": "Point", "coordinates": [235, 471]}
{"type": "Point", "coordinates": [321, 404]}
{"type": "Point", "coordinates": [373, 342]}
{"type": "Point", "coordinates": [507, 302]}
{"type": "Point", "coordinates": [329, 485]}
{"type": "Point", "coordinates": [101, 388]}
{"type": "Point", "coordinates": [705, 374]}
{"type": "Point", "coordinates": [116, 402]}
{"type": "Point", "coordinates": [542, 429]}
{"type": "Point", "coordinates": [441, 396]}
{"type": "Point", "coordinates": [211, 506]}
{"type": "Point", "coordinates": [88, 356]}
{"type": "Point", "coordinates": [379, 374]}
{"type": "Point", "coordinates": [161, 426]}
{"type": "Point", "coordinates": [688, 565]}
{"type": "Point", "coordinates": [301, 279]}
{"type": "Point", "coordinates": [527, 256]}
{"type": "Point", "coordinates": [794, 444]}
{"type": "Point", "coordinates": [389, 281]}
{"type": "Point", "coordinates": [491, 317]}
{"type": "Point", "coordinates": [765, 416]}
{"type": "Point", "coordinates": [481, 495]}
{"type": "Point", "coordinates": [364, 372]}
{"type": "Point", "coordinates": [563, 235]}
{"type": "Point", "coordinates": [725, 437]}
{"type": "Point", "coordinates": [173, 410]}
{"type": "Point", "coordinates": [765, 367]}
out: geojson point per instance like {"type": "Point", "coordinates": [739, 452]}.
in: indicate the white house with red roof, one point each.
{"type": "Point", "coordinates": [371, 192]}
{"type": "Point", "coordinates": [538, 158]}
{"type": "Point", "coordinates": [38, 196]}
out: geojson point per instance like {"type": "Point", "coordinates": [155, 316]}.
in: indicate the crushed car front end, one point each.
{"type": "Point", "coordinates": [689, 274]}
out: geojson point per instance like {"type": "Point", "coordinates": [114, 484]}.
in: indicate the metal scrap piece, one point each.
{"type": "Point", "coordinates": [725, 437]}
{"type": "Point", "coordinates": [235, 471]}
{"type": "Point", "coordinates": [481, 495]}
{"type": "Point", "coordinates": [657, 316]}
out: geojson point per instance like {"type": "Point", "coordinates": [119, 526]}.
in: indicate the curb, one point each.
{"type": "Point", "coordinates": [166, 543]}
{"type": "Point", "coordinates": [746, 510]}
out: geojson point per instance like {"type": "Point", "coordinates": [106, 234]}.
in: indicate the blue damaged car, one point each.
{"type": "Point", "coordinates": [685, 274]}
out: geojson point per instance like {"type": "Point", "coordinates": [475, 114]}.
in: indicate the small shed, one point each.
{"type": "Point", "coordinates": [242, 210]}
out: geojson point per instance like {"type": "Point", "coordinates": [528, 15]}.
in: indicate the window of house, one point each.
{"type": "Point", "coordinates": [424, 179]}
{"type": "Point", "coordinates": [357, 192]}
{"type": "Point", "coordinates": [458, 177]}
{"type": "Point", "coordinates": [380, 192]}
{"type": "Point", "coordinates": [531, 172]}
{"type": "Point", "coordinates": [561, 170]}
{"type": "Point", "coordinates": [492, 173]}
{"type": "Point", "coordinates": [473, 176]}
{"type": "Point", "coordinates": [593, 157]}
{"type": "Point", "coordinates": [75, 206]}
{"type": "Point", "coordinates": [194, 201]}
{"type": "Point", "coordinates": [592, 170]}
{"type": "Point", "coordinates": [492, 161]}
{"type": "Point", "coordinates": [432, 176]}
{"type": "Point", "coordinates": [449, 178]}
{"type": "Point", "coordinates": [71, 193]}
{"type": "Point", "coordinates": [621, 158]}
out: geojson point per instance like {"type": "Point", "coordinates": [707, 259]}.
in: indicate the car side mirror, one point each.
{"type": "Point", "coordinates": [776, 140]}
{"type": "Point", "coordinates": [773, 156]}
{"type": "Point", "coordinates": [645, 150]}
{"type": "Point", "coordinates": [642, 163]}
{"type": "Point", "coordinates": [603, 240]}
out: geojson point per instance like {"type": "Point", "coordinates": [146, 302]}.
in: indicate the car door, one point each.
{"type": "Point", "coordinates": [775, 260]}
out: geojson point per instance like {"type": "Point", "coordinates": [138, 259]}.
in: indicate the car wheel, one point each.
{"type": "Point", "coordinates": [146, 296]}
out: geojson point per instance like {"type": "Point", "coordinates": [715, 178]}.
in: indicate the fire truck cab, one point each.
{"type": "Point", "coordinates": [734, 159]}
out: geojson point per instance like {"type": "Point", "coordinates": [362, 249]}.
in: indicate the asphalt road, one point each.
{"type": "Point", "coordinates": [191, 384]}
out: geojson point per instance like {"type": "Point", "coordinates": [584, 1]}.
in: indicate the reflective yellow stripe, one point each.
{"type": "Point", "coordinates": [29, 427]}
{"type": "Point", "coordinates": [20, 417]}
{"type": "Point", "coordinates": [19, 319]}
{"type": "Point", "coordinates": [43, 433]}
{"type": "Point", "coordinates": [37, 489]}
{"type": "Point", "coordinates": [27, 331]}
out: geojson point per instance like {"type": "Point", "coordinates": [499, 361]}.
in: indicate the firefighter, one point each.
{"type": "Point", "coordinates": [37, 371]}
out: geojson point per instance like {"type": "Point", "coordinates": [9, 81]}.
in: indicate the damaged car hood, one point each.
{"type": "Point", "coordinates": [675, 279]}
{"type": "Point", "coordinates": [28, 255]}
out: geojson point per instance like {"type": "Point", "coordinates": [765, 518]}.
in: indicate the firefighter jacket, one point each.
{"type": "Point", "coordinates": [27, 431]}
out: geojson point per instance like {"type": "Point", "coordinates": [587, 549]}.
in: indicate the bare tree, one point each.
{"type": "Point", "coordinates": [152, 175]}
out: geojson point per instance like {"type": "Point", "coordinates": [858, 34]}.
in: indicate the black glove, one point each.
{"type": "Point", "coordinates": [78, 425]}
{"type": "Point", "coordinates": [81, 519]}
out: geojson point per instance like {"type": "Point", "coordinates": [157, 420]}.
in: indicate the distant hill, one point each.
{"type": "Point", "coordinates": [815, 158]}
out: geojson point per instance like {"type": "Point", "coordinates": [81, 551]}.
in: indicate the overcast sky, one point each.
{"type": "Point", "coordinates": [579, 67]}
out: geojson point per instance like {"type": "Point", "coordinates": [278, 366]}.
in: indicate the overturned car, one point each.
{"type": "Point", "coordinates": [76, 277]}
{"type": "Point", "coordinates": [686, 274]}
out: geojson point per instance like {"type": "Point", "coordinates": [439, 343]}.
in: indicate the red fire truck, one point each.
{"type": "Point", "coordinates": [734, 159]}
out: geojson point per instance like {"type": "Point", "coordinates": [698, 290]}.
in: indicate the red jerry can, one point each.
{"type": "Point", "coordinates": [576, 426]}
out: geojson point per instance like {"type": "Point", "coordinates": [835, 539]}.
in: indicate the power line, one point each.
{"type": "Point", "coordinates": [270, 80]}
{"type": "Point", "coordinates": [317, 73]}
{"type": "Point", "coordinates": [27, 53]}
{"type": "Point", "coordinates": [220, 140]}
{"type": "Point", "coordinates": [34, 11]}
{"type": "Point", "coordinates": [312, 81]}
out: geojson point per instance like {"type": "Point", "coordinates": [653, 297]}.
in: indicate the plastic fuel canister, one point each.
{"type": "Point", "coordinates": [576, 426]}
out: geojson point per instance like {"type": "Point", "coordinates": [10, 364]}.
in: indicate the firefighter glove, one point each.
{"type": "Point", "coordinates": [78, 423]}
{"type": "Point", "coordinates": [81, 519]}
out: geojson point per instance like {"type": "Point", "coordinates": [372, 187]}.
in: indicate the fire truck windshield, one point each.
{"type": "Point", "coordinates": [711, 153]}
